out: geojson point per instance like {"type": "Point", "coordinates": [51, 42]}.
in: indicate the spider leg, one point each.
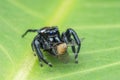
{"type": "Point", "coordinates": [33, 49]}
{"type": "Point", "coordinates": [71, 37]}
{"type": "Point", "coordinates": [29, 30]}
{"type": "Point", "coordinates": [36, 44]}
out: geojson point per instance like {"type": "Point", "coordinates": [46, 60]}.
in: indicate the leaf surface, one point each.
{"type": "Point", "coordinates": [96, 21]}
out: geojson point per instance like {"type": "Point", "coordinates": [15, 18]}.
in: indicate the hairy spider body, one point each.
{"type": "Point", "coordinates": [50, 40]}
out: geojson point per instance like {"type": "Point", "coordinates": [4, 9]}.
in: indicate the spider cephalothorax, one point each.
{"type": "Point", "coordinates": [50, 40]}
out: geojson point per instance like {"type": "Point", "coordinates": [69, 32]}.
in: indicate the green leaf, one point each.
{"type": "Point", "coordinates": [96, 21]}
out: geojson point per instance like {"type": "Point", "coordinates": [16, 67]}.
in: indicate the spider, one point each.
{"type": "Point", "coordinates": [50, 40]}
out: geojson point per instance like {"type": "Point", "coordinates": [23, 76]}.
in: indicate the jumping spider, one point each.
{"type": "Point", "coordinates": [50, 40]}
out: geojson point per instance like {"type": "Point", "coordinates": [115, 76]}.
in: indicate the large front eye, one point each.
{"type": "Point", "coordinates": [52, 32]}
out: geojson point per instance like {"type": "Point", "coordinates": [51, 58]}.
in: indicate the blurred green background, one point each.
{"type": "Point", "coordinates": [98, 21]}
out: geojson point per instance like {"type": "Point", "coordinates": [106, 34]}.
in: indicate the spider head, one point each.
{"type": "Point", "coordinates": [49, 31]}
{"type": "Point", "coordinates": [52, 30]}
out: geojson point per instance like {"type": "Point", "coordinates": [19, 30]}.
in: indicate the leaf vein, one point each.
{"type": "Point", "coordinates": [88, 70]}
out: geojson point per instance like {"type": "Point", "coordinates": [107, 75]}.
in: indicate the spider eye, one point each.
{"type": "Point", "coordinates": [52, 32]}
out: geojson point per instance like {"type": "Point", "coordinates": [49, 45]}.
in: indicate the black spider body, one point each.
{"type": "Point", "coordinates": [50, 40]}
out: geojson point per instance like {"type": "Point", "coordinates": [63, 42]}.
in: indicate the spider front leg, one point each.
{"type": "Point", "coordinates": [33, 49]}
{"type": "Point", "coordinates": [36, 46]}
{"type": "Point", "coordinates": [72, 39]}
